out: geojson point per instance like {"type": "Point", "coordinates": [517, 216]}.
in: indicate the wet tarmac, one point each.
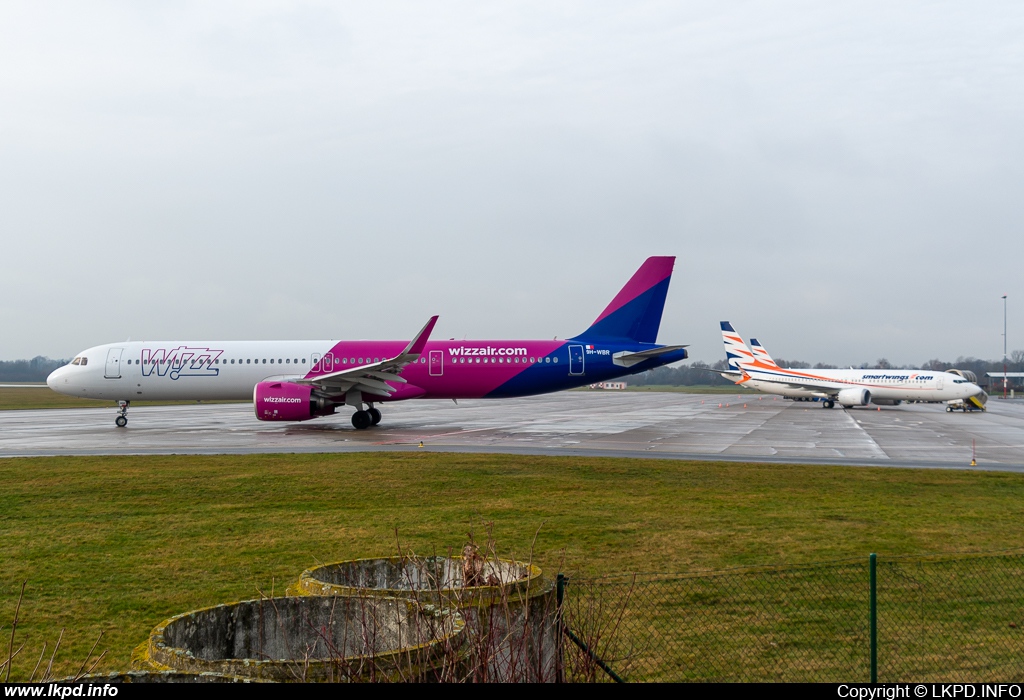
{"type": "Point", "coordinates": [628, 424]}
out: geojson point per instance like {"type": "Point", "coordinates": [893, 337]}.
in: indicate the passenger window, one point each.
{"type": "Point", "coordinates": [547, 359]}
{"type": "Point", "coordinates": [264, 362]}
{"type": "Point", "coordinates": [555, 360]}
{"type": "Point", "coordinates": [271, 362]}
{"type": "Point", "coordinates": [278, 361]}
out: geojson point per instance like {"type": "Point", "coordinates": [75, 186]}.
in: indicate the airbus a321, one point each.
{"type": "Point", "coordinates": [300, 380]}
{"type": "Point", "coordinates": [753, 367]}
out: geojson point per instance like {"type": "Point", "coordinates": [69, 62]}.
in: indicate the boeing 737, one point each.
{"type": "Point", "coordinates": [300, 380]}
{"type": "Point", "coordinates": [753, 367]}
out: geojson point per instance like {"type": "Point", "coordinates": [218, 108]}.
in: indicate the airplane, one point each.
{"type": "Point", "coordinates": [301, 380]}
{"type": "Point", "coordinates": [754, 367]}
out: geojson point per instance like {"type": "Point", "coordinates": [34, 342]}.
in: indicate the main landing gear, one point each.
{"type": "Point", "coordinates": [828, 403]}
{"type": "Point", "coordinates": [122, 415]}
{"type": "Point", "coordinates": [361, 420]}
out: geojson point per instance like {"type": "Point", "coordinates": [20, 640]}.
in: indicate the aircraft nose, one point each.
{"type": "Point", "coordinates": [54, 380]}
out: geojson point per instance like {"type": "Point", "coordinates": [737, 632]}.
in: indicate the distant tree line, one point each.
{"type": "Point", "coordinates": [35, 370]}
{"type": "Point", "coordinates": [699, 373]}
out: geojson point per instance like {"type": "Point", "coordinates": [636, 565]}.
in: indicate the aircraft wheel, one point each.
{"type": "Point", "coordinates": [374, 416]}
{"type": "Point", "coordinates": [361, 420]}
{"type": "Point", "coordinates": [828, 403]}
{"type": "Point", "coordinates": [949, 409]}
{"type": "Point", "coordinates": [120, 421]}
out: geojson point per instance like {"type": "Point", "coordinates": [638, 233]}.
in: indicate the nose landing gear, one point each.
{"type": "Point", "coordinates": [122, 415]}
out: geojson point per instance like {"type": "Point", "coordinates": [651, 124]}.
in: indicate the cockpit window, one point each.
{"type": "Point", "coordinates": [84, 362]}
{"type": "Point", "coordinates": [77, 361]}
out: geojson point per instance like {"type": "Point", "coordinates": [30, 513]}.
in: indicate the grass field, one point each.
{"type": "Point", "coordinates": [18, 398]}
{"type": "Point", "coordinates": [118, 544]}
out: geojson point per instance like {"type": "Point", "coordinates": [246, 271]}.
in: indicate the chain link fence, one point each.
{"type": "Point", "coordinates": [955, 618]}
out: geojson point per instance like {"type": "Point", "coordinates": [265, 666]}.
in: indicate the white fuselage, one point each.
{"type": "Point", "coordinates": [887, 385]}
{"type": "Point", "coordinates": [194, 371]}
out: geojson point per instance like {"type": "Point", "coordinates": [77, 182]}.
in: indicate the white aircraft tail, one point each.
{"type": "Point", "coordinates": [760, 354]}
{"type": "Point", "coordinates": [736, 351]}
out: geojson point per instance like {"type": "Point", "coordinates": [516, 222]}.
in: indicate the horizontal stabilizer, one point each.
{"type": "Point", "coordinates": [628, 359]}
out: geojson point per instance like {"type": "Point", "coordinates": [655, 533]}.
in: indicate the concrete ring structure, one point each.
{"type": "Point", "coordinates": [117, 677]}
{"type": "Point", "coordinates": [510, 608]}
{"type": "Point", "coordinates": [311, 639]}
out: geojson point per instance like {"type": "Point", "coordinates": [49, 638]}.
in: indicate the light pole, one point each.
{"type": "Point", "coordinates": [1004, 346]}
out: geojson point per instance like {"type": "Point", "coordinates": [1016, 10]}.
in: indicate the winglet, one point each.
{"type": "Point", "coordinates": [416, 345]}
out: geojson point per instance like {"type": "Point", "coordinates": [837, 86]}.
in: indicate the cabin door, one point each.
{"type": "Point", "coordinates": [436, 363]}
{"type": "Point", "coordinates": [576, 359]}
{"type": "Point", "coordinates": [113, 370]}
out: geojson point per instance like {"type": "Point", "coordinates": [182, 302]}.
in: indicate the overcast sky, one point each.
{"type": "Point", "coordinates": [843, 182]}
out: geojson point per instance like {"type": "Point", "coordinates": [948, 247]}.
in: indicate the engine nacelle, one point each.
{"type": "Point", "coordinates": [854, 397]}
{"type": "Point", "coordinates": [286, 401]}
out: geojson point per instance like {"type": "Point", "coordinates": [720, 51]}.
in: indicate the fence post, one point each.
{"type": "Point", "coordinates": [559, 629]}
{"type": "Point", "coordinates": [873, 614]}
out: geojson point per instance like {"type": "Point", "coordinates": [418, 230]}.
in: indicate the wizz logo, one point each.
{"type": "Point", "coordinates": [180, 362]}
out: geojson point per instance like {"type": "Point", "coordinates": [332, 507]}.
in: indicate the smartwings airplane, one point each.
{"type": "Point", "coordinates": [300, 380]}
{"type": "Point", "coordinates": [753, 366]}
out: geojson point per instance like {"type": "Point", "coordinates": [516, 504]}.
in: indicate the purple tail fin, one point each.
{"type": "Point", "coordinates": [635, 312]}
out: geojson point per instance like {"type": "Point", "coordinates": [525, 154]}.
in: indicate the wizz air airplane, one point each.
{"type": "Point", "coordinates": [300, 380]}
{"type": "Point", "coordinates": [754, 367]}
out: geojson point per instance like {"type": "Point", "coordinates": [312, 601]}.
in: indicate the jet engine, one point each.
{"type": "Point", "coordinates": [854, 397]}
{"type": "Point", "coordinates": [286, 401]}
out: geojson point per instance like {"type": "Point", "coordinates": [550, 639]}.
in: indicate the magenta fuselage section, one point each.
{"type": "Point", "coordinates": [489, 368]}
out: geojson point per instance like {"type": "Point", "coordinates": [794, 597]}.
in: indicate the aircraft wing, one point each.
{"type": "Point", "coordinates": [825, 387]}
{"type": "Point", "coordinates": [373, 378]}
